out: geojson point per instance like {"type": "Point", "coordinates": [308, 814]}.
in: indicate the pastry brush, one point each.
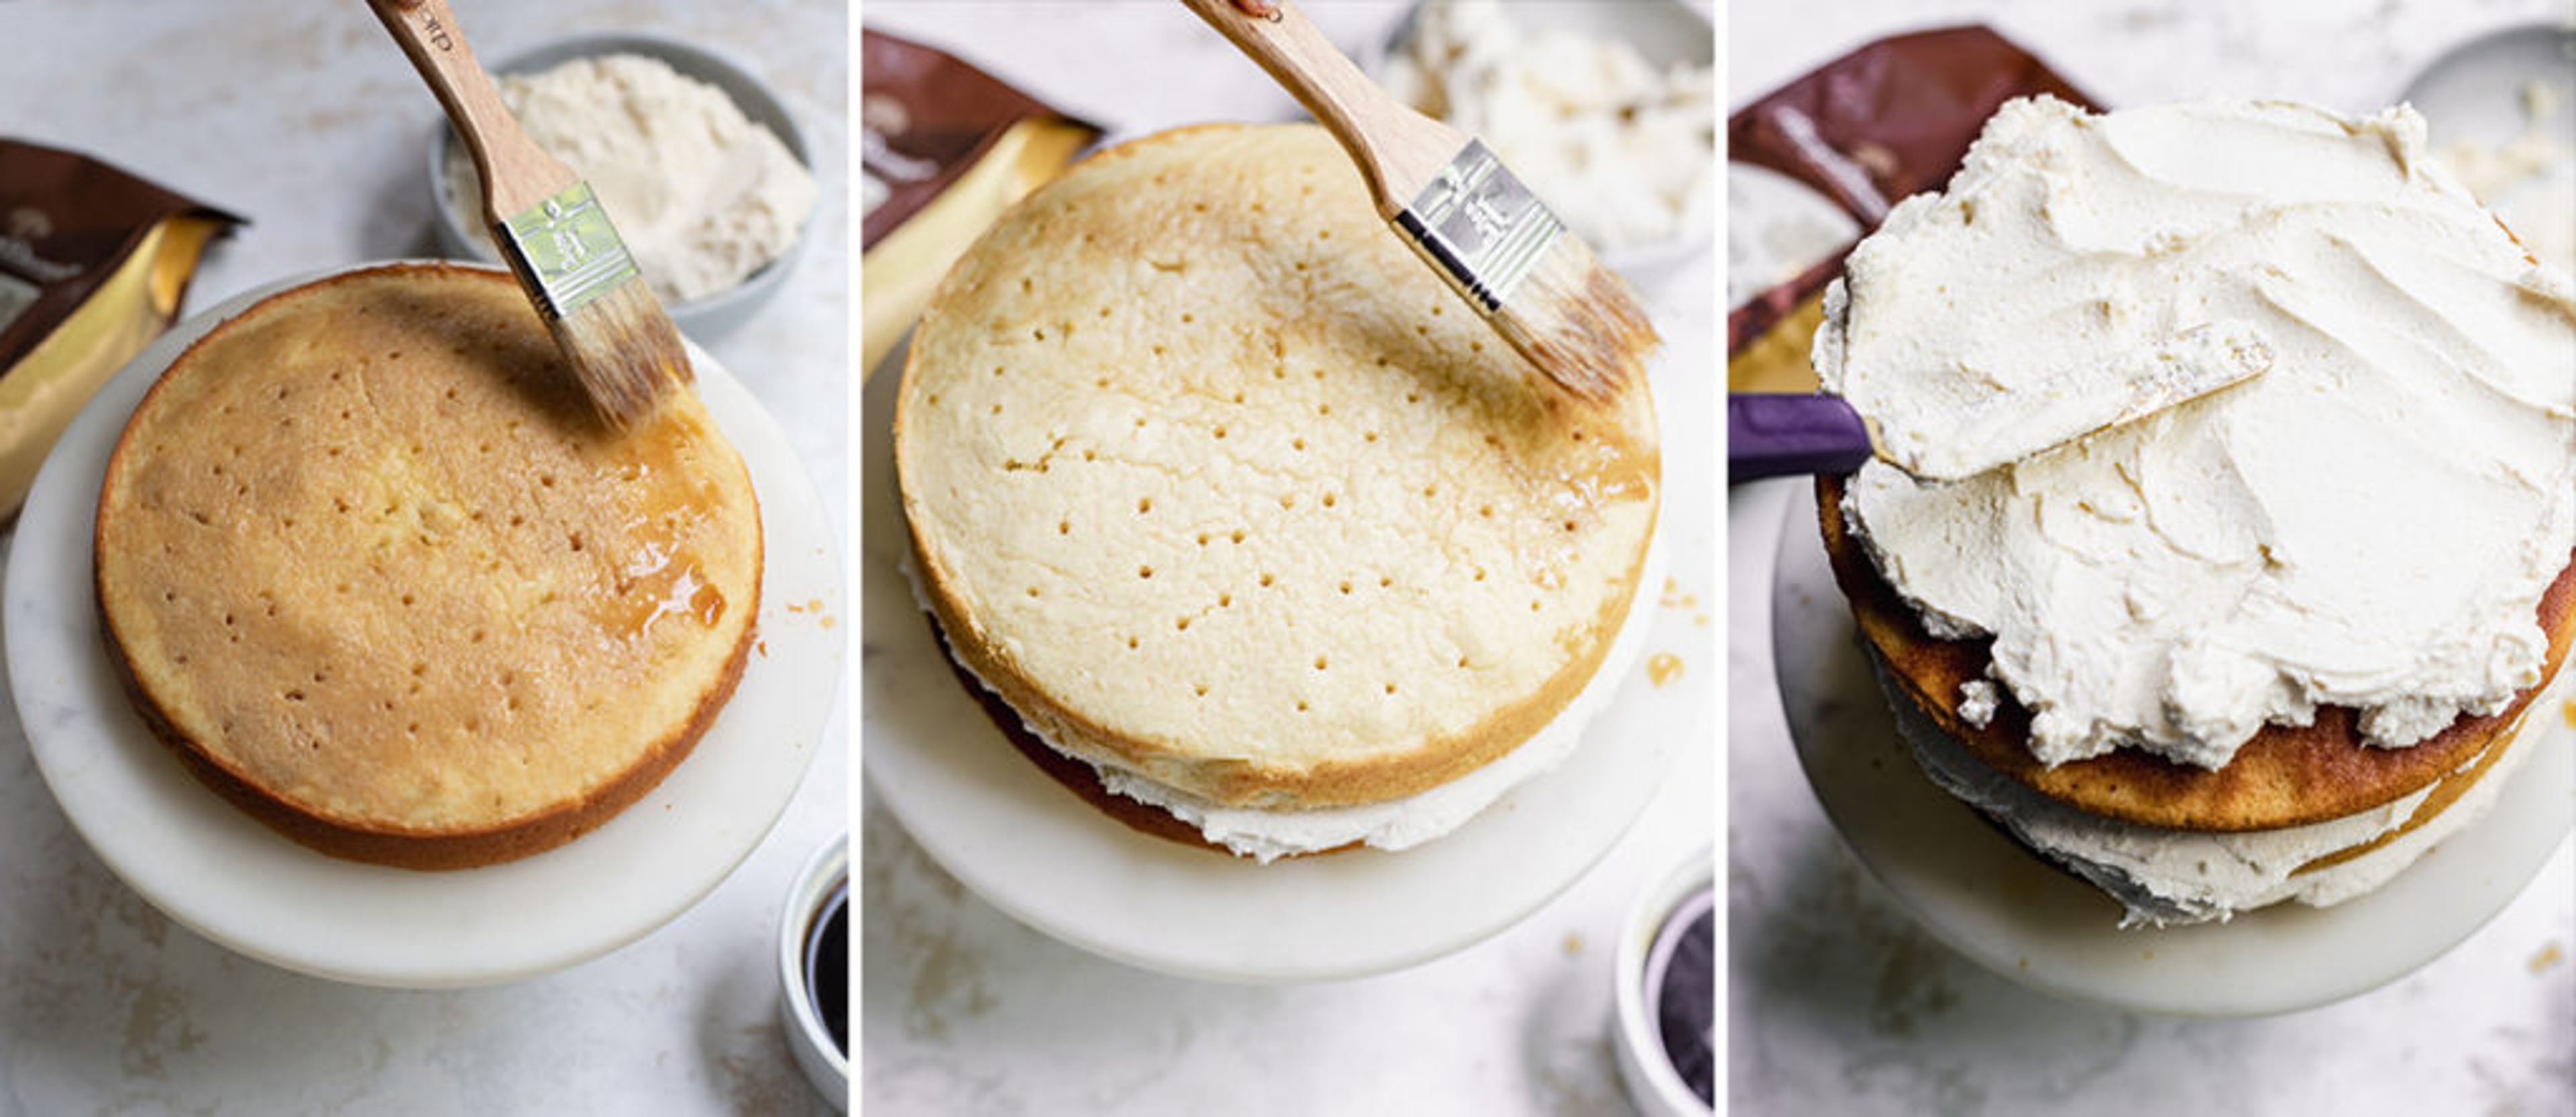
{"type": "Point", "coordinates": [550, 227]}
{"type": "Point", "coordinates": [1457, 205]}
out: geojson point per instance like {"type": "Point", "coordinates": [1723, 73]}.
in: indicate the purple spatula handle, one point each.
{"type": "Point", "coordinates": [1792, 435]}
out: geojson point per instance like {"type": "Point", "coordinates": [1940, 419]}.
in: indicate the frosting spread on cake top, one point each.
{"type": "Point", "coordinates": [2369, 524]}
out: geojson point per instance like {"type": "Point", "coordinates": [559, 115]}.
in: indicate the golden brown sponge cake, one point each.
{"type": "Point", "coordinates": [1213, 482]}
{"type": "Point", "coordinates": [373, 569]}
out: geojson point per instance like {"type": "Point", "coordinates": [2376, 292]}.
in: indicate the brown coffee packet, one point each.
{"type": "Point", "coordinates": [93, 265]}
{"type": "Point", "coordinates": [945, 148]}
{"type": "Point", "coordinates": [1891, 119]}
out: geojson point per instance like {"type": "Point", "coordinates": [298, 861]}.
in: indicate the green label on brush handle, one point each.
{"type": "Point", "coordinates": [566, 250]}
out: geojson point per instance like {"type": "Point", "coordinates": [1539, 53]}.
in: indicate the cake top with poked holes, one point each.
{"type": "Point", "coordinates": [1213, 480]}
{"type": "Point", "coordinates": [364, 548]}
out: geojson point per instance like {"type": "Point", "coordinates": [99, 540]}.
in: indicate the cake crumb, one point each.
{"type": "Point", "coordinates": [1574, 944]}
{"type": "Point", "coordinates": [2567, 712]}
{"type": "Point", "coordinates": [2550, 955]}
{"type": "Point", "coordinates": [1977, 701]}
{"type": "Point", "coordinates": [1662, 668]}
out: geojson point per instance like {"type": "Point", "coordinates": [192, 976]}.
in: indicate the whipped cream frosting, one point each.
{"type": "Point", "coordinates": [2170, 877]}
{"type": "Point", "coordinates": [702, 194]}
{"type": "Point", "coordinates": [1623, 149]}
{"type": "Point", "coordinates": [2370, 523]}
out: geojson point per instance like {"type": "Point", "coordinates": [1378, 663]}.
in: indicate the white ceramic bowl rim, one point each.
{"type": "Point", "coordinates": [828, 869]}
{"type": "Point", "coordinates": [1637, 936]}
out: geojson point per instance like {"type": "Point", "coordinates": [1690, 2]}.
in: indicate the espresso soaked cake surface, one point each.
{"type": "Point", "coordinates": [370, 564]}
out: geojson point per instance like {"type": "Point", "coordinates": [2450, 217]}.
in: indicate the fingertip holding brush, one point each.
{"type": "Point", "coordinates": [1446, 194]}
{"type": "Point", "coordinates": [551, 229]}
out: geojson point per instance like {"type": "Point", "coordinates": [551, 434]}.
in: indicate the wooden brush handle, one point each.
{"type": "Point", "coordinates": [516, 173]}
{"type": "Point", "coordinates": [1398, 150]}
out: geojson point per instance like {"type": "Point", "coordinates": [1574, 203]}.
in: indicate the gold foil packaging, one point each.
{"type": "Point", "coordinates": [93, 263]}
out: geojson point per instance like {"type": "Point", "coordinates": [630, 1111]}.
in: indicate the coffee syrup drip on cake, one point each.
{"type": "Point", "coordinates": [658, 577]}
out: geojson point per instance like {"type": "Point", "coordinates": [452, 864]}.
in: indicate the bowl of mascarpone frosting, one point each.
{"type": "Point", "coordinates": [1607, 111]}
{"type": "Point", "coordinates": [701, 166]}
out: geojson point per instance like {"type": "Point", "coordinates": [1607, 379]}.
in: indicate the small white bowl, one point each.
{"type": "Point", "coordinates": [1653, 1084]}
{"type": "Point", "coordinates": [702, 318]}
{"type": "Point", "coordinates": [825, 880]}
{"type": "Point", "coordinates": [1664, 32]}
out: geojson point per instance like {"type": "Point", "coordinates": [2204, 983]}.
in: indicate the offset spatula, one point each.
{"type": "Point", "coordinates": [1782, 435]}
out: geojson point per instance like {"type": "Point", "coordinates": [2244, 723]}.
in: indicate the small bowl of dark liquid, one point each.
{"type": "Point", "coordinates": [814, 970]}
{"type": "Point", "coordinates": [1667, 997]}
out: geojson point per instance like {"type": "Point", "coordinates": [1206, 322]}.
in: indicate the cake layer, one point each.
{"type": "Point", "coordinates": [1268, 834]}
{"type": "Point", "coordinates": [368, 560]}
{"type": "Point", "coordinates": [2167, 877]}
{"type": "Point", "coordinates": [2287, 775]}
{"type": "Point", "coordinates": [1215, 482]}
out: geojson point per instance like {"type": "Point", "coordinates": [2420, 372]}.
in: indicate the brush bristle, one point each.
{"type": "Point", "coordinates": [1578, 322]}
{"type": "Point", "coordinates": [625, 351]}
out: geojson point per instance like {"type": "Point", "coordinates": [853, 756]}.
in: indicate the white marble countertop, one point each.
{"type": "Point", "coordinates": [966, 1011]}
{"type": "Point", "coordinates": [305, 119]}
{"type": "Point", "coordinates": [1838, 1002]}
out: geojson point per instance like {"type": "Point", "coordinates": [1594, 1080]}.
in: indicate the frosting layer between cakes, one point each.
{"type": "Point", "coordinates": [2165, 877]}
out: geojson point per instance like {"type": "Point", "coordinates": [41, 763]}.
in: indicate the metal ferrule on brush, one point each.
{"type": "Point", "coordinates": [1479, 227]}
{"type": "Point", "coordinates": [565, 250]}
